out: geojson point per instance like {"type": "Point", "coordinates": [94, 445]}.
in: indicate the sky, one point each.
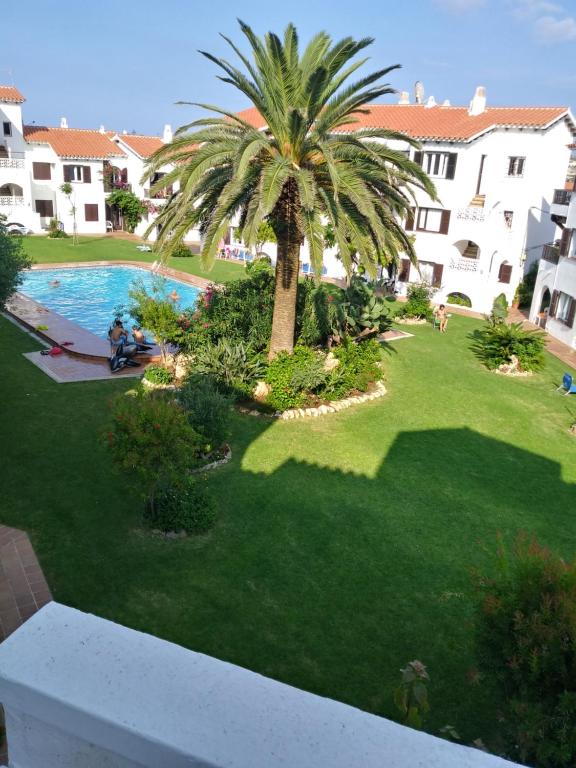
{"type": "Point", "coordinates": [125, 64]}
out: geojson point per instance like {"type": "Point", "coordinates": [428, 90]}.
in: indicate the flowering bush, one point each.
{"type": "Point", "coordinates": [151, 441]}
{"type": "Point", "coordinates": [526, 642]}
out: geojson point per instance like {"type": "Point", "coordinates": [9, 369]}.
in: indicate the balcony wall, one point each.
{"type": "Point", "coordinates": [79, 690]}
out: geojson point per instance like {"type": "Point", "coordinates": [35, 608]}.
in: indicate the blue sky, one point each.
{"type": "Point", "coordinates": [124, 64]}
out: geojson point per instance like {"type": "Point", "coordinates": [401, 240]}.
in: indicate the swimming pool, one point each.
{"type": "Point", "coordinates": [88, 296]}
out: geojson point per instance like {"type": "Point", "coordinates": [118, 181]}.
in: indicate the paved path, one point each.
{"type": "Point", "coordinates": [23, 591]}
{"type": "Point", "coordinates": [561, 351]}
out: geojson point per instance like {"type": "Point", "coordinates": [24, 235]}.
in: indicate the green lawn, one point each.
{"type": "Point", "coordinates": [344, 544]}
{"type": "Point", "coordinates": [46, 251]}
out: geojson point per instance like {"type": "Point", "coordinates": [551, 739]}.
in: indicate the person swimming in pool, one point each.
{"type": "Point", "coordinates": [174, 296]}
{"type": "Point", "coordinates": [54, 283]}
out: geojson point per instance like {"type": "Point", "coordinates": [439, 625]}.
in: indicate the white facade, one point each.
{"type": "Point", "coordinates": [81, 691]}
{"type": "Point", "coordinates": [554, 303]}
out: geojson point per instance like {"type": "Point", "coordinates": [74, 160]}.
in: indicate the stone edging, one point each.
{"type": "Point", "coordinates": [337, 405]}
{"type": "Point", "coordinates": [513, 374]}
{"type": "Point", "coordinates": [214, 464]}
{"type": "Point", "coordinates": [152, 385]}
{"type": "Point", "coordinates": [410, 321]}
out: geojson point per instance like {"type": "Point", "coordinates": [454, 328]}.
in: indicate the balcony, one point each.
{"type": "Point", "coordinates": [551, 253]}
{"type": "Point", "coordinates": [472, 213]}
{"type": "Point", "coordinates": [562, 197]}
{"type": "Point", "coordinates": [464, 264]}
{"type": "Point", "coordinates": [163, 194]}
{"type": "Point", "coordinates": [112, 186]}
{"type": "Point", "coordinates": [11, 162]}
{"type": "Point", "coordinates": [10, 201]}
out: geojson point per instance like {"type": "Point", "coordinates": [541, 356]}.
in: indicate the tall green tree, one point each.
{"type": "Point", "coordinates": [312, 163]}
{"type": "Point", "coordinates": [13, 262]}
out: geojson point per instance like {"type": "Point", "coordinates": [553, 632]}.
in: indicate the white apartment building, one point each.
{"type": "Point", "coordinates": [554, 302]}
{"type": "Point", "coordinates": [35, 161]}
{"type": "Point", "coordinates": [490, 165]}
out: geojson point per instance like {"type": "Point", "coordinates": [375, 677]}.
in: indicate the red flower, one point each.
{"type": "Point", "coordinates": [330, 299]}
{"type": "Point", "coordinates": [206, 325]}
{"type": "Point", "coordinates": [156, 426]}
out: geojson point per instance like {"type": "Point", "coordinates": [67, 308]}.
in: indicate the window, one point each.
{"type": "Point", "coordinates": [516, 166]}
{"type": "Point", "coordinates": [433, 220]}
{"type": "Point", "coordinates": [41, 171]}
{"type": "Point", "coordinates": [7, 129]}
{"type": "Point", "coordinates": [45, 208]}
{"type": "Point", "coordinates": [91, 212]}
{"type": "Point", "coordinates": [508, 218]}
{"type": "Point", "coordinates": [78, 173]}
{"type": "Point", "coordinates": [439, 165]}
{"type": "Point", "coordinates": [563, 308]}
{"type": "Point", "coordinates": [431, 273]}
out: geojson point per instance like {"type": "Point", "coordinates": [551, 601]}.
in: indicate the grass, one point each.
{"type": "Point", "coordinates": [344, 544]}
{"type": "Point", "coordinates": [46, 251]}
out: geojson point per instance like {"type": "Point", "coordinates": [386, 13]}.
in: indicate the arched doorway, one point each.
{"type": "Point", "coordinates": [542, 316]}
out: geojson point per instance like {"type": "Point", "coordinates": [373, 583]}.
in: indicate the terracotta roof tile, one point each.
{"type": "Point", "coordinates": [10, 94]}
{"type": "Point", "coordinates": [442, 123]}
{"type": "Point", "coordinates": [144, 146]}
{"type": "Point", "coordinates": [74, 142]}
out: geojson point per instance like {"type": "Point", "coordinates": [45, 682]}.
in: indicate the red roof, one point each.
{"type": "Point", "coordinates": [440, 123]}
{"type": "Point", "coordinates": [11, 95]}
{"type": "Point", "coordinates": [144, 146]}
{"type": "Point", "coordinates": [74, 142]}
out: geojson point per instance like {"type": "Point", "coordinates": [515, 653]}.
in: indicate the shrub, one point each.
{"type": "Point", "coordinates": [525, 289]}
{"type": "Point", "coordinates": [185, 506]}
{"type": "Point", "coordinates": [411, 696]}
{"type": "Point", "coordinates": [418, 302]}
{"type": "Point", "coordinates": [158, 374]}
{"type": "Point", "coordinates": [129, 205]}
{"type": "Point", "coordinates": [460, 299]}
{"type": "Point", "coordinates": [181, 251]}
{"type": "Point", "coordinates": [207, 409]}
{"type": "Point", "coordinates": [498, 343]}
{"type": "Point", "coordinates": [234, 366]}
{"type": "Point", "coordinates": [262, 264]}
{"type": "Point", "coordinates": [156, 312]}
{"type": "Point", "coordinates": [151, 441]}
{"type": "Point", "coordinates": [13, 261]}
{"type": "Point", "coordinates": [499, 310]}
{"type": "Point", "coordinates": [359, 312]}
{"type": "Point", "coordinates": [526, 644]}
{"type": "Point", "coordinates": [358, 367]}
{"type": "Point", "coordinates": [315, 312]}
{"type": "Point", "coordinates": [294, 377]}
{"type": "Point", "coordinates": [54, 230]}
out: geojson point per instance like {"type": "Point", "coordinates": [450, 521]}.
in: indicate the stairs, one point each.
{"type": "Point", "coordinates": [471, 251]}
{"type": "Point", "coordinates": [477, 201]}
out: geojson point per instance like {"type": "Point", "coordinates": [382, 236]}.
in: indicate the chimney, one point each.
{"type": "Point", "coordinates": [63, 122]}
{"type": "Point", "coordinates": [404, 98]}
{"type": "Point", "coordinates": [418, 92]}
{"type": "Point", "coordinates": [101, 129]}
{"type": "Point", "coordinates": [478, 103]}
{"type": "Point", "coordinates": [167, 134]}
{"type": "Point", "coordinates": [431, 102]}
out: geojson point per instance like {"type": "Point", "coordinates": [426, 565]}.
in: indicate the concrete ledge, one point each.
{"type": "Point", "coordinates": [79, 690]}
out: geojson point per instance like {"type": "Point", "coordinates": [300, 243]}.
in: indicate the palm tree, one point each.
{"type": "Point", "coordinates": [308, 166]}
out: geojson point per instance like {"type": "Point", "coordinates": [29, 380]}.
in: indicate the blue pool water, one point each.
{"type": "Point", "coordinates": [88, 296]}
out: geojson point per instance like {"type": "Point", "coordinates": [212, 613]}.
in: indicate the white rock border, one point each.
{"type": "Point", "coordinates": [513, 374]}
{"type": "Point", "coordinates": [334, 407]}
{"type": "Point", "coordinates": [410, 321]}
{"type": "Point", "coordinates": [152, 385]}
{"type": "Point", "coordinates": [214, 464]}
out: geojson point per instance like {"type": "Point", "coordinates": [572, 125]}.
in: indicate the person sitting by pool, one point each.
{"type": "Point", "coordinates": [174, 296]}
{"type": "Point", "coordinates": [118, 335]}
{"type": "Point", "coordinates": [140, 339]}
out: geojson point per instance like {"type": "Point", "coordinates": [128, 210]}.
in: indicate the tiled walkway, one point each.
{"type": "Point", "coordinates": [66, 368]}
{"type": "Point", "coordinates": [561, 351]}
{"type": "Point", "coordinates": [23, 591]}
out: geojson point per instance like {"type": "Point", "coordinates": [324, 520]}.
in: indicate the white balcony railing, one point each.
{"type": "Point", "coordinates": [8, 201]}
{"type": "Point", "coordinates": [11, 162]}
{"type": "Point", "coordinates": [472, 213]}
{"type": "Point", "coordinates": [464, 264]}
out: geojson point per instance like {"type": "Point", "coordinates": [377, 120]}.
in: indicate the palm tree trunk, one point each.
{"type": "Point", "coordinates": [289, 239]}
{"type": "Point", "coordinates": [286, 288]}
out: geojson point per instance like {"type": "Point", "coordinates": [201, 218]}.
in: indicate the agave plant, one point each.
{"type": "Point", "coordinates": [306, 163]}
{"type": "Point", "coordinates": [359, 312]}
